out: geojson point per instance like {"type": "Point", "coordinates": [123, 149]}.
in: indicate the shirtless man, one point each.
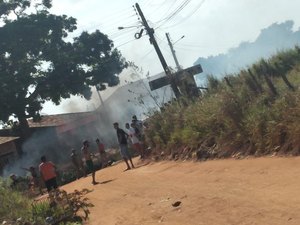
{"type": "Point", "coordinates": [36, 180]}
{"type": "Point", "coordinates": [77, 163]}
{"type": "Point", "coordinates": [88, 160]}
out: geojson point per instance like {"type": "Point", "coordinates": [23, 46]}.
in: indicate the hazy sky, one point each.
{"type": "Point", "coordinates": [210, 27]}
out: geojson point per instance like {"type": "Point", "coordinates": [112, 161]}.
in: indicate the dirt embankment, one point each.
{"type": "Point", "coordinates": [255, 191]}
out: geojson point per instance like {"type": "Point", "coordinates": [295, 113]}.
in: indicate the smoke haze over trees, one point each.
{"type": "Point", "coordinates": [274, 38]}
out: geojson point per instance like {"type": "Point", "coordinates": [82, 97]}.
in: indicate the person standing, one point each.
{"type": "Point", "coordinates": [77, 163]}
{"type": "Point", "coordinates": [132, 132]}
{"type": "Point", "coordinates": [88, 160]}
{"type": "Point", "coordinates": [102, 153]}
{"type": "Point", "coordinates": [122, 139]}
{"type": "Point", "coordinates": [138, 125]}
{"type": "Point", "coordinates": [48, 173]}
{"type": "Point", "coordinates": [35, 178]}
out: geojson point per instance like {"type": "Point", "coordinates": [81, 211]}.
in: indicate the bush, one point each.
{"type": "Point", "coordinates": [254, 112]}
{"type": "Point", "coordinates": [59, 208]}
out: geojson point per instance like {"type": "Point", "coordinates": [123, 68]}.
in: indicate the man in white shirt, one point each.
{"type": "Point", "coordinates": [134, 139]}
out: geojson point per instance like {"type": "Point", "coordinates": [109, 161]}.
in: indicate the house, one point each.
{"type": "Point", "coordinates": [53, 136]}
{"type": "Point", "coordinates": [64, 130]}
{"type": "Point", "coordinates": [136, 98]}
{"type": "Point", "coordinates": [8, 150]}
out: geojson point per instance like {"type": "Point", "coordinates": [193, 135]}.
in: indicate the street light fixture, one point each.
{"type": "Point", "coordinates": [178, 39]}
{"type": "Point", "coordinates": [122, 28]}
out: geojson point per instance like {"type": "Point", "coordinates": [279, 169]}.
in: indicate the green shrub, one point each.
{"type": "Point", "coordinates": [60, 207]}
{"type": "Point", "coordinates": [259, 108]}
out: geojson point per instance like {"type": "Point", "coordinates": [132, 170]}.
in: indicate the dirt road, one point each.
{"type": "Point", "coordinates": [263, 191]}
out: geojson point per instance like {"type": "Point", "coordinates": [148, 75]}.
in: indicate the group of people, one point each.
{"type": "Point", "coordinates": [88, 158]}
{"type": "Point", "coordinates": [48, 171]}
{"type": "Point", "coordinates": [135, 135]}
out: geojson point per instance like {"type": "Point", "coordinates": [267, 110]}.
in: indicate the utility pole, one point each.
{"type": "Point", "coordinates": [102, 105]}
{"type": "Point", "coordinates": [99, 95]}
{"type": "Point", "coordinates": [150, 32]}
{"type": "Point", "coordinates": [173, 51]}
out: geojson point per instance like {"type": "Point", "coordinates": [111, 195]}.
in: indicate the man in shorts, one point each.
{"type": "Point", "coordinates": [88, 160]}
{"type": "Point", "coordinates": [122, 139]}
{"type": "Point", "coordinates": [48, 173]}
{"type": "Point", "coordinates": [138, 126]}
{"type": "Point", "coordinates": [134, 139]}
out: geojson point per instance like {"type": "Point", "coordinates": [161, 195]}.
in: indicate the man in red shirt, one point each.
{"type": "Point", "coordinates": [48, 173]}
{"type": "Point", "coordinates": [102, 153]}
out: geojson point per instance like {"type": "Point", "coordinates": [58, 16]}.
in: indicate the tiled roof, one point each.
{"type": "Point", "coordinates": [7, 139]}
{"type": "Point", "coordinates": [59, 119]}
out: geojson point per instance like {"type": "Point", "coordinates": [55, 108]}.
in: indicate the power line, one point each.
{"type": "Point", "coordinates": [113, 26]}
{"type": "Point", "coordinates": [170, 15]}
{"type": "Point", "coordinates": [190, 14]}
{"type": "Point", "coordinates": [128, 42]}
{"type": "Point", "coordinates": [125, 43]}
{"type": "Point", "coordinates": [159, 7]}
{"type": "Point", "coordinates": [173, 14]}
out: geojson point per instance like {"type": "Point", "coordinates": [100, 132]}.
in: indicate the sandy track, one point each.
{"type": "Point", "coordinates": [262, 191]}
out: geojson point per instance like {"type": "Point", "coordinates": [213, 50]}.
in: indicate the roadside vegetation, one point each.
{"type": "Point", "coordinates": [255, 112]}
{"type": "Point", "coordinates": [17, 208]}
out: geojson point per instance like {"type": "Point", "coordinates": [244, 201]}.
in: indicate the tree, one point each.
{"type": "Point", "coordinates": [39, 61]}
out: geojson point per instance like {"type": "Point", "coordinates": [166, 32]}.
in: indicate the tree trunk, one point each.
{"type": "Point", "coordinates": [258, 86]}
{"type": "Point", "coordinates": [270, 84]}
{"type": "Point", "coordinates": [266, 71]}
{"type": "Point", "coordinates": [287, 82]}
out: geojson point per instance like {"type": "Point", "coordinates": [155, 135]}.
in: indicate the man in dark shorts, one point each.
{"type": "Point", "coordinates": [122, 139]}
{"type": "Point", "coordinates": [88, 160]}
{"type": "Point", "coordinates": [48, 173]}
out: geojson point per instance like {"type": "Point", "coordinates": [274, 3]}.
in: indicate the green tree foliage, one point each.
{"type": "Point", "coordinates": [39, 61]}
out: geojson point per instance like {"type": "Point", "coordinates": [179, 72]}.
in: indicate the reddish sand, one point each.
{"type": "Point", "coordinates": [262, 191]}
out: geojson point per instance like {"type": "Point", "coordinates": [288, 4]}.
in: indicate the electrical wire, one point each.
{"type": "Point", "coordinates": [170, 15]}
{"type": "Point", "coordinates": [112, 26]}
{"type": "Point", "coordinates": [127, 42]}
{"type": "Point", "coordinates": [157, 8]}
{"type": "Point", "coordinates": [187, 17]}
{"type": "Point", "coordinates": [173, 14]}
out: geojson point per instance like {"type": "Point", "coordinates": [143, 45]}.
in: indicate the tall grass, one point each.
{"type": "Point", "coordinates": [13, 204]}
{"type": "Point", "coordinates": [256, 111]}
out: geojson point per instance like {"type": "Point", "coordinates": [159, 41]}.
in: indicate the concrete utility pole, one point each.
{"type": "Point", "coordinates": [173, 51]}
{"type": "Point", "coordinates": [102, 105]}
{"type": "Point", "coordinates": [99, 95]}
{"type": "Point", "coordinates": [150, 32]}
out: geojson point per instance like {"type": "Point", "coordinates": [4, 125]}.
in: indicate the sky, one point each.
{"type": "Point", "coordinates": [209, 27]}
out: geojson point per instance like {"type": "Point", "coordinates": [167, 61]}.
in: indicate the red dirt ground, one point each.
{"type": "Point", "coordinates": [252, 191]}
